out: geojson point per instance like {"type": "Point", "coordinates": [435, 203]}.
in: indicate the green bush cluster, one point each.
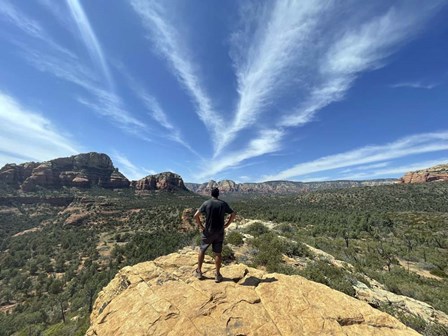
{"type": "Point", "coordinates": [334, 277]}
{"type": "Point", "coordinates": [256, 229]}
{"type": "Point", "coordinates": [234, 238]}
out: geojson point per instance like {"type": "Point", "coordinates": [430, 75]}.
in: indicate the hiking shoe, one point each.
{"type": "Point", "coordinates": [198, 274]}
{"type": "Point", "coordinates": [218, 277]}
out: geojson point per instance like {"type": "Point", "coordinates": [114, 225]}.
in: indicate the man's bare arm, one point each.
{"type": "Point", "coordinates": [230, 220]}
{"type": "Point", "coordinates": [197, 217]}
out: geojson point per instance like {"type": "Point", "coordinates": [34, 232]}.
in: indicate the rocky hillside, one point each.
{"type": "Point", "coordinates": [162, 297]}
{"type": "Point", "coordinates": [434, 174]}
{"type": "Point", "coordinates": [163, 181]}
{"type": "Point", "coordinates": [279, 187]}
{"type": "Point", "coordinates": [83, 170]}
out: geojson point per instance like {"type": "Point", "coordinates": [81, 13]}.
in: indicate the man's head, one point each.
{"type": "Point", "coordinates": [215, 192]}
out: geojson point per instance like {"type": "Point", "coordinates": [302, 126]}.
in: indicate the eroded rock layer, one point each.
{"type": "Point", "coordinates": [162, 297]}
{"type": "Point", "coordinates": [163, 181]}
{"type": "Point", "coordinates": [82, 171]}
{"type": "Point", "coordinates": [434, 174]}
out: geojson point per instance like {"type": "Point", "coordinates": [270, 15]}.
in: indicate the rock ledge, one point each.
{"type": "Point", "coordinates": [162, 297]}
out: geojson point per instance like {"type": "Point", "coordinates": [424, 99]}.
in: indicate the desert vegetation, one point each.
{"type": "Point", "coordinates": [55, 259]}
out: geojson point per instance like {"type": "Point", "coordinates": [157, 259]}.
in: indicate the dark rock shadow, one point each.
{"type": "Point", "coordinates": [254, 281]}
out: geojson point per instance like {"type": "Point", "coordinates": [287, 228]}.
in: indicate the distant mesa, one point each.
{"type": "Point", "coordinates": [433, 174]}
{"type": "Point", "coordinates": [83, 171]}
{"type": "Point", "coordinates": [279, 187]}
{"type": "Point", "coordinates": [164, 181]}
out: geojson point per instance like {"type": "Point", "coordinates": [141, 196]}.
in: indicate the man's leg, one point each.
{"type": "Point", "coordinates": [218, 260]}
{"type": "Point", "coordinates": [201, 256]}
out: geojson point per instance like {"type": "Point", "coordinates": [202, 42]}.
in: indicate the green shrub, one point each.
{"type": "Point", "coordinates": [286, 230]}
{"type": "Point", "coordinates": [269, 251]}
{"type": "Point", "coordinates": [256, 229]}
{"type": "Point", "coordinates": [297, 249]}
{"type": "Point", "coordinates": [336, 278]}
{"type": "Point", "coordinates": [439, 273]}
{"type": "Point", "coordinates": [414, 322]}
{"type": "Point", "coordinates": [235, 238]}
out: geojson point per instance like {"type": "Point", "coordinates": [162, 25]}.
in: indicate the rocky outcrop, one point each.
{"type": "Point", "coordinates": [279, 187]}
{"type": "Point", "coordinates": [82, 171]}
{"type": "Point", "coordinates": [434, 174]}
{"type": "Point", "coordinates": [162, 297]}
{"type": "Point", "coordinates": [164, 181]}
{"type": "Point", "coordinates": [187, 223]}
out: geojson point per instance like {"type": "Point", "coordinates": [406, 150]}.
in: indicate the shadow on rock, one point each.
{"type": "Point", "coordinates": [254, 281]}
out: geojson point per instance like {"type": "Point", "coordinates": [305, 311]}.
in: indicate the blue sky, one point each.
{"type": "Point", "coordinates": [242, 90]}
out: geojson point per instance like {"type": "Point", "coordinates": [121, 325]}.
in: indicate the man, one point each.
{"type": "Point", "coordinates": [213, 232]}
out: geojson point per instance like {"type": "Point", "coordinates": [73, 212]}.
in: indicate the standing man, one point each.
{"type": "Point", "coordinates": [213, 232]}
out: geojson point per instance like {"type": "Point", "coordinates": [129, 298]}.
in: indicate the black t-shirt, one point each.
{"type": "Point", "coordinates": [214, 210]}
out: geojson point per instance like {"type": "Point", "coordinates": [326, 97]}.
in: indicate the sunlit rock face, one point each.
{"type": "Point", "coordinates": [163, 181]}
{"type": "Point", "coordinates": [163, 297]}
{"type": "Point", "coordinates": [82, 171]}
{"type": "Point", "coordinates": [433, 174]}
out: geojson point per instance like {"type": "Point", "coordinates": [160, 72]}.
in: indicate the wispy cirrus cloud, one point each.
{"type": "Point", "coordinates": [360, 48]}
{"type": "Point", "coordinates": [267, 141]}
{"type": "Point", "coordinates": [156, 111]}
{"type": "Point", "coordinates": [267, 59]}
{"type": "Point", "coordinates": [408, 146]}
{"type": "Point", "coordinates": [171, 46]}
{"type": "Point", "coordinates": [30, 27]}
{"type": "Point", "coordinates": [300, 46]}
{"type": "Point", "coordinates": [366, 167]}
{"type": "Point", "coordinates": [25, 135]}
{"type": "Point", "coordinates": [130, 170]}
{"type": "Point", "coordinates": [415, 85]}
{"type": "Point", "coordinates": [397, 170]}
{"type": "Point", "coordinates": [50, 57]}
{"type": "Point", "coordinates": [89, 38]}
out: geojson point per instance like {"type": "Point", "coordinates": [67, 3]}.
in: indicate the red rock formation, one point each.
{"type": "Point", "coordinates": [437, 173]}
{"type": "Point", "coordinates": [163, 181]}
{"type": "Point", "coordinates": [82, 171]}
{"type": "Point", "coordinates": [279, 187]}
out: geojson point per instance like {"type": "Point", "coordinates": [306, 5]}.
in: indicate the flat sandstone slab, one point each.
{"type": "Point", "coordinates": [162, 297]}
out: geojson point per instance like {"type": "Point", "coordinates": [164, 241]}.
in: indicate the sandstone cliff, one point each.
{"type": "Point", "coordinates": [434, 174]}
{"type": "Point", "coordinates": [83, 170]}
{"type": "Point", "coordinates": [163, 181]}
{"type": "Point", "coordinates": [162, 297]}
{"type": "Point", "coordinates": [279, 187]}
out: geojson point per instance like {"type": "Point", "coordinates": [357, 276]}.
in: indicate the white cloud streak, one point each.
{"type": "Point", "coordinates": [89, 38]}
{"type": "Point", "coordinates": [267, 141]}
{"type": "Point", "coordinates": [415, 85]}
{"type": "Point", "coordinates": [394, 171]}
{"type": "Point", "coordinates": [299, 44]}
{"type": "Point", "coordinates": [49, 56]}
{"type": "Point", "coordinates": [359, 49]}
{"type": "Point", "coordinates": [30, 27]}
{"type": "Point", "coordinates": [27, 135]}
{"type": "Point", "coordinates": [273, 54]}
{"type": "Point", "coordinates": [412, 145]}
{"type": "Point", "coordinates": [367, 167]}
{"type": "Point", "coordinates": [170, 45]}
{"type": "Point", "coordinates": [130, 170]}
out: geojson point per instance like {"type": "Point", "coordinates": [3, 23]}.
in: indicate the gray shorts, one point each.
{"type": "Point", "coordinates": [214, 239]}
